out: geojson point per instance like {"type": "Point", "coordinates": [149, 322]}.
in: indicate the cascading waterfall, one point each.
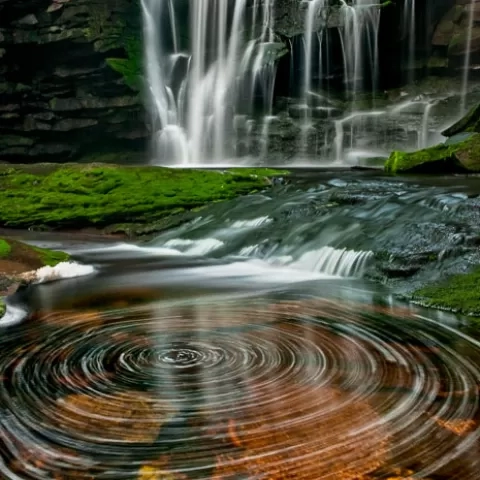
{"type": "Point", "coordinates": [212, 84]}
{"type": "Point", "coordinates": [359, 38]}
{"type": "Point", "coordinates": [466, 66]}
{"type": "Point", "coordinates": [360, 42]}
{"type": "Point", "coordinates": [200, 91]}
{"type": "Point", "coordinates": [358, 33]}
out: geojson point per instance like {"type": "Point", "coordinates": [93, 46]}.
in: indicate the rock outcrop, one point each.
{"type": "Point", "coordinates": [470, 123]}
{"type": "Point", "coordinates": [61, 93]}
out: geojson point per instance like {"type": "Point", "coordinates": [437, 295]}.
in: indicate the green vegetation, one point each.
{"type": "Point", "coordinates": [131, 66]}
{"type": "Point", "coordinates": [459, 293]}
{"type": "Point", "coordinates": [2, 307]}
{"type": "Point", "coordinates": [405, 161]}
{"type": "Point", "coordinates": [4, 248]}
{"type": "Point", "coordinates": [97, 195]}
{"type": "Point", "coordinates": [461, 156]}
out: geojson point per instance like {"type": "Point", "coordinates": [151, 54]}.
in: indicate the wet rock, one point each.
{"type": "Point", "coordinates": [468, 123]}
{"type": "Point", "coordinates": [290, 18]}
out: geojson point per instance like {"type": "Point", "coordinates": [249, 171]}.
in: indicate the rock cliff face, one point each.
{"type": "Point", "coordinates": [60, 94]}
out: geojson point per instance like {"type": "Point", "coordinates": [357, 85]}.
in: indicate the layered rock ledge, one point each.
{"type": "Point", "coordinates": [60, 94]}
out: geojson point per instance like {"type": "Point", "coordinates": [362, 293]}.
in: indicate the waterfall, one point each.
{"type": "Point", "coordinates": [466, 66]}
{"type": "Point", "coordinates": [360, 42]}
{"type": "Point", "coordinates": [211, 70]}
{"type": "Point", "coordinates": [199, 89]}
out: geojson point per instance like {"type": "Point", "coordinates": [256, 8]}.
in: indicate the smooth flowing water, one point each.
{"type": "Point", "coordinates": [249, 343]}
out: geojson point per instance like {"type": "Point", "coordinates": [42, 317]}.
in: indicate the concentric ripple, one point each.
{"type": "Point", "coordinates": [261, 389]}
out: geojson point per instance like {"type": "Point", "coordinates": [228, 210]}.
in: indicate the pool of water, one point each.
{"type": "Point", "coordinates": [250, 343]}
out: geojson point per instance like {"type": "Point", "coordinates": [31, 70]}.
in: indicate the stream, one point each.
{"type": "Point", "coordinates": [260, 339]}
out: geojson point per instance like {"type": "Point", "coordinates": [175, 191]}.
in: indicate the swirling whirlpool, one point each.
{"type": "Point", "coordinates": [300, 388]}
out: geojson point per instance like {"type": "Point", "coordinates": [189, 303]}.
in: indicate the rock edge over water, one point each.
{"type": "Point", "coordinates": [16, 258]}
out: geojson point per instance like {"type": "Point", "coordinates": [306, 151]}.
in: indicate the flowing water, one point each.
{"type": "Point", "coordinates": [211, 70]}
{"type": "Point", "coordinates": [249, 343]}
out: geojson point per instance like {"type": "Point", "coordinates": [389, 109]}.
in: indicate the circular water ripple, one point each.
{"type": "Point", "coordinates": [299, 389]}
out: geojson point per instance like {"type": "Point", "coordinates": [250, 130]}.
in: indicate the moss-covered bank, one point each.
{"type": "Point", "coordinates": [96, 195]}
{"type": "Point", "coordinates": [458, 293]}
{"type": "Point", "coordinates": [463, 156]}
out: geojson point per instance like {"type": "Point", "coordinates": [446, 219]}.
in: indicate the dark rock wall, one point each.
{"type": "Point", "coordinates": [59, 97]}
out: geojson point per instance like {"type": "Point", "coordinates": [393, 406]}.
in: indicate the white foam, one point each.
{"type": "Point", "coordinates": [333, 261]}
{"type": "Point", "coordinates": [256, 222]}
{"type": "Point", "coordinates": [130, 247]}
{"type": "Point", "coordinates": [195, 247]}
{"type": "Point", "coordinates": [61, 271]}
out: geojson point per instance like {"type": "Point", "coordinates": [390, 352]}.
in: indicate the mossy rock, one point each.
{"type": "Point", "coordinates": [28, 255]}
{"type": "Point", "coordinates": [99, 195]}
{"type": "Point", "coordinates": [459, 293]}
{"type": "Point", "coordinates": [469, 123]}
{"type": "Point", "coordinates": [463, 156]}
{"type": "Point", "coordinates": [17, 258]}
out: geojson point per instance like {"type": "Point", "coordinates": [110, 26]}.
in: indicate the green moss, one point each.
{"type": "Point", "coordinates": [2, 307]}
{"type": "Point", "coordinates": [4, 248]}
{"type": "Point", "coordinates": [51, 257]}
{"type": "Point", "coordinates": [459, 293]}
{"type": "Point", "coordinates": [99, 195]}
{"type": "Point", "coordinates": [438, 159]}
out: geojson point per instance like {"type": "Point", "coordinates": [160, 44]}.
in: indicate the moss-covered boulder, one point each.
{"type": "Point", "coordinates": [469, 123]}
{"type": "Point", "coordinates": [98, 195]}
{"type": "Point", "coordinates": [459, 293]}
{"type": "Point", "coordinates": [463, 156]}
